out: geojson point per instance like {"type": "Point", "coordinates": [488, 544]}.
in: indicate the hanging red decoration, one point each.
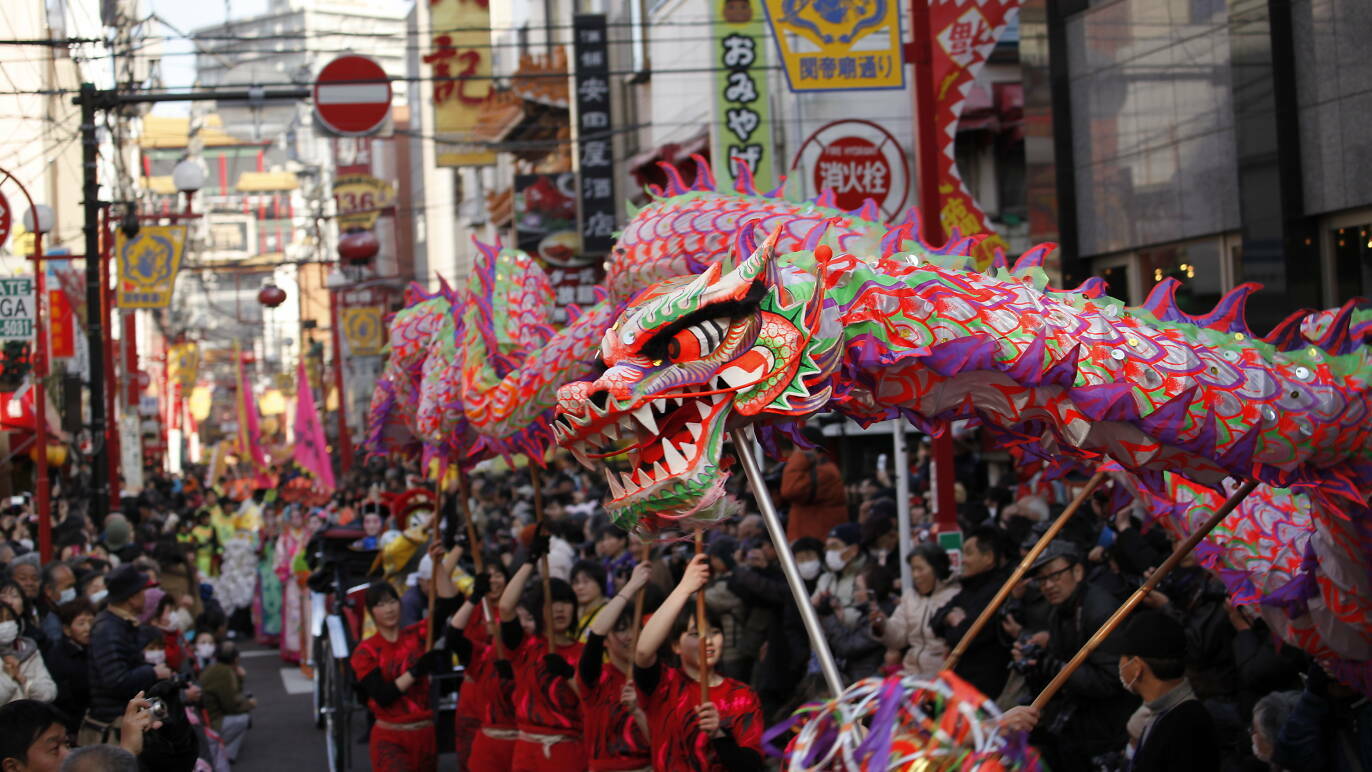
{"type": "Point", "coordinates": [358, 247]}
{"type": "Point", "coordinates": [271, 296]}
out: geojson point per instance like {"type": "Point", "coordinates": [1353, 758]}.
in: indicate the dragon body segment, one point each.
{"type": "Point", "coordinates": [1061, 374]}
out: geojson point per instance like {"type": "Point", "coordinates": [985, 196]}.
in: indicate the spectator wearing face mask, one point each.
{"type": "Point", "coordinates": [203, 652]}
{"type": "Point", "coordinates": [844, 560]}
{"type": "Point", "coordinates": [24, 676]}
{"type": "Point", "coordinates": [69, 660]}
{"type": "Point", "coordinates": [58, 587]}
{"type": "Point", "coordinates": [786, 647]}
{"type": "Point", "coordinates": [118, 668]}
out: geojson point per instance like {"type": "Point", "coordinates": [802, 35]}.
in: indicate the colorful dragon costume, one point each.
{"type": "Point", "coordinates": [1062, 374]}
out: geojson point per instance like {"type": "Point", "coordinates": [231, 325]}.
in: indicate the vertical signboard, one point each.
{"type": "Point", "coordinates": [545, 226]}
{"type": "Point", "coordinates": [964, 36]}
{"type": "Point", "coordinates": [838, 46]}
{"type": "Point", "coordinates": [148, 264]}
{"type": "Point", "coordinates": [61, 327]}
{"type": "Point", "coordinates": [459, 58]}
{"type": "Point", "coordinates": [742, 128]}
{"type": "Point", "coordinates": [595, 149]}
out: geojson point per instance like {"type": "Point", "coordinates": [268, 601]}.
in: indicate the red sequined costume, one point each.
{"type": "Point", "coordinates": [669, 698]}
{"type": "Point", "coordinates": [489, 697]}
{"type": "Point", "coordinates": [403, 738]}
{"type": "Point", "coordinates": [614, 740]}
{"type": "Point", "coordinates": [467, 723]}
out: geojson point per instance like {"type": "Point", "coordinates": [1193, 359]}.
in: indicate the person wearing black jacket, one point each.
{"type": "Point", "coordinates": [1179, 735]}
{"type": "Point", "coordinates": [1087, 717]}
{"type": "Point", "coordinates": [68, 660]}
{"type": "Point", "coordinates": [118, 670]}
{"type": "Point", "coordinates": [788, 646]}
{"type": "Point", "coordinates": [985, 664]}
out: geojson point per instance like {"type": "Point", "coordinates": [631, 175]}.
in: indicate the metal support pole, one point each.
{"type": "Point", "coordinates": [95, 323]}
{"type": "Point", "coordinates": [40, 396]}
{"type": "Point", "coordinates": [818, 644]}
{"type": "Point", "coordinates": [901, 461]}
{"type": "Point", "coordinates": [345, 444]}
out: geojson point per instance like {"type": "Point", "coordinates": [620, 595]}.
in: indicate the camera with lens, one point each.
{"type": "Point", "coordinates": [1032, 656]}
{"type": "Point", "coordinates": [157, 707]}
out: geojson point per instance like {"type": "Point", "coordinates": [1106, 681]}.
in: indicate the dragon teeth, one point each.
{"type": "Point", "coordinates": [612, 433]}
{"type": "Point", "coordinates": [645, 417]}
{"type": "Point", "coordinates": [703, 407]}
{"type": "Point", "coordinates": [660, 472]}
{"type": "Point", "coordinates": [675, 461]}
{"type": "Point", "coordinates": [687, 449]}
{"type": "Point", "coordinates": [628, 480]}
{"type": "Point", "coordinates": [616, 490]}
{"type": "Point", "coordinates": [645, 478]}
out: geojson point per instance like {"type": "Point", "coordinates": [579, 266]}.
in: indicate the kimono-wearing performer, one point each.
{"type": "Point", "coordinates": [393, 668]}
{"type": "Point", "coordinates": [616, 727]}
{"type": "Point", "coordinates": [722, 735]}
{"type": "Point", "coordinates": [288, 546]}
{"type": "Point", "coordinates": [485, 724]}
{"type": "Point", "coordinates": [547, 710]}
{"type": "Point", "coordinates": [267, 608]}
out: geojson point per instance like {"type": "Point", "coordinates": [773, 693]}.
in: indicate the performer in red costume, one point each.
{"type": "Point", "coordinates": [616, 728]}
{"type": "Point", "coordinates": [547, 710]}
{"type": "Point", "coordinates": [722, 735]}
{"type": "Point", "coordinates": [393, 667]}
{"type": "Point", "coordinates": [472, 699]}
{"type": "Point", "coordinates": [487, 685]}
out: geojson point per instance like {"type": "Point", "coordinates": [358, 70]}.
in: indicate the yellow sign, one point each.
{"type": "Point", "coordinates": [837, 46]}
{"type": "Point", "coordinates": [360, 199]}
{"type": "Point", "coordinates": [202, 399]}
{"type": "Point", "coordinates": [148, 264]}
{"type": "Point", "coordinates": [460, 61]}
{"type": "Point", "coordinates": [362, 330]}
{"type": "Point", "coordinates": [184, 361]}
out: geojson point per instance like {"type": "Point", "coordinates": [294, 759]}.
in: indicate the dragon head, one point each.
{"type": "Point", "coordinates": [690, 359]}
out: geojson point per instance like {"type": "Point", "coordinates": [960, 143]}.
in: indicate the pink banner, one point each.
{"type": "Point", "coordinates": [311, 452]}
{"type": "Point", "coordinates": [964, 34]}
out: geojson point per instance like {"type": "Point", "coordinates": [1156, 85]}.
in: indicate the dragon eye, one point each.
{"type": "Point", "coordinates": [695, 342]}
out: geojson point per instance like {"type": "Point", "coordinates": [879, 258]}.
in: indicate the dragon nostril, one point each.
{"type": "Point", "coordinates": [600, 399]}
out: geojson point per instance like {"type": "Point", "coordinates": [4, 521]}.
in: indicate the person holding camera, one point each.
{"type": "Point", "coordinates": [119, 669]}
{"type": "Point", "coordinates": [229, 708]}
{"type": "Point", "coordinates": [1087, 718]}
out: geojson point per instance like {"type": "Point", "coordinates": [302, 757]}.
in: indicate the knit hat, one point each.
{"type": "Point", "coordinates": [848, 533]}
{"type": "Point", "coordinates": [118, 532]}
{"type": "Point", "coordinates": [153, 596]}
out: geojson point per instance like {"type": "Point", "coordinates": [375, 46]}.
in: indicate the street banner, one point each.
{"type": "Point", "coordinates": [838, 46]}
{"type": "Point", "coordinates": [741, 128]}
{"type": "Point", "coordinates": [61, 326]}
{"type": "Point", "coordinates": [184, 364]}
{"type": "Point", "coordinates": [359, 199]}
{"type": "Point", "coordinates": [362, 330]}
{"type": "Point", "coordinates": [249, 432]}
{"type": "Point", "coordinates": [130, 455]}
{"type": "Point", "coordinates": [6, 219]}
{"type": "Point", "coordinates": [16, 308]}
{"type": "Point", "coordinates": [148, 264]}
{"type": "Point", "coordinates": [311, 450]}
{"type": "Point", "coordinates": [459, 58]}
{"type": "Point", "coordinates": [595, 158]}
{"type": "Point", "coordinates": [964, 35]}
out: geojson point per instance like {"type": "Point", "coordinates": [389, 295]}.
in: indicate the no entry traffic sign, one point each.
{"type": "Point", "coordinates": [352, 96]}
{"type": "Point", "coordinates": [6, 219]}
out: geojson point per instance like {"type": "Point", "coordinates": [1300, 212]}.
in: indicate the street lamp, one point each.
{"type": "Point", "coordinates": [188, 176]}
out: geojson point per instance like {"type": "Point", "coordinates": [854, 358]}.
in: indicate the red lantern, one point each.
{"type": "Point", "coordinates": [271, 296]}
{"type": "Point", "coordinates": [358, 247]}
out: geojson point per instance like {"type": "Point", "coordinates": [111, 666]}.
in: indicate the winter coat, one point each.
{"type": "Point", "coordinates": [69, 665]}
{"type": "Point", "coordinates": [117, 668]}
{"type": "Point", "coordinates": [859, 651]}
{"type": "Point", "coordinates": [842, 585]}
{"type": "Point", "coordinates": [38, 685]}
{"type": "Point", "coordinates": [812, 486]}
{"type": "Point", "coordinates": [788, 649]}
{"type": "Point", "coordinates": [984, 664]}
{"type": "Point", "coordinates": [730, 610]}
{"type": "Point", "coordinates": [223, 693]}
{"type": "Point", "coordinates": [911, 628]}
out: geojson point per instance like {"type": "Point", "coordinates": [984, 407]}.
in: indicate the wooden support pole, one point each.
{"type": "Point", "coordinates": [548, 632]}
{"type": "Point", "coordinates": [1178, 554]}
{"type": "Point", "coordinates": [702, 634]}
{"type": "Point", "coordinates": [989, 613]}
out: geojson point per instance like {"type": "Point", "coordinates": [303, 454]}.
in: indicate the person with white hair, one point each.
{"type": "Point", "coordinates": [100, 758]}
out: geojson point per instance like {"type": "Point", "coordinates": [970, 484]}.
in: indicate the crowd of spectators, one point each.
{"type": "Point", "coordinates": [128, 615]}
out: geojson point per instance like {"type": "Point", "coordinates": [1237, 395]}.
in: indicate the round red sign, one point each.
{"type": "Point", "coordinates": [6, 219]}
{"type": "Point", "coordinates": [857, 160]}
{"type": "Point", "coordinates": [352, 96]}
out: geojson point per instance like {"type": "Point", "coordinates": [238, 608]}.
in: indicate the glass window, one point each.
{"type": "Point", "coordinates": [1117, 282]}
{"type": "Point", "coordinates": [1196, 264]}
{"type": "Point", "coordinates": [1352, 247]}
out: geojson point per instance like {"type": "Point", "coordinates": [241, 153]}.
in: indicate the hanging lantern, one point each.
{"type": "Point", "coordinates": [271, 296]}
{"type": "Point", "coordinates": [358, 247]}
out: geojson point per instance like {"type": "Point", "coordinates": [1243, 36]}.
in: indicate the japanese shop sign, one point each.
{"type": "Point", "coordinates": [857, 160]}
{"type": "Point", "coordinates": [16, 309]}
{"type": "Point", "coordinates": [362, 330]}
{"type": "Point", "coordinates": [148, 264]}
{"type": "Point", "coordinates": [741, 128]}
{"type": "Point", "coordinates": [61, 325]}
{"type": "Point", "coordinates": [595, 148]}
{"type": "Point", "coordinates": [964, 36]}
{"type": "Point", "coordinates": [545, 226]}
{"type": "Point", "coordinates": [460, 64]}
{"type": "Point", "coordinates": [838, 46]}
{"type": "Point", "coordinates": [360, 199]}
